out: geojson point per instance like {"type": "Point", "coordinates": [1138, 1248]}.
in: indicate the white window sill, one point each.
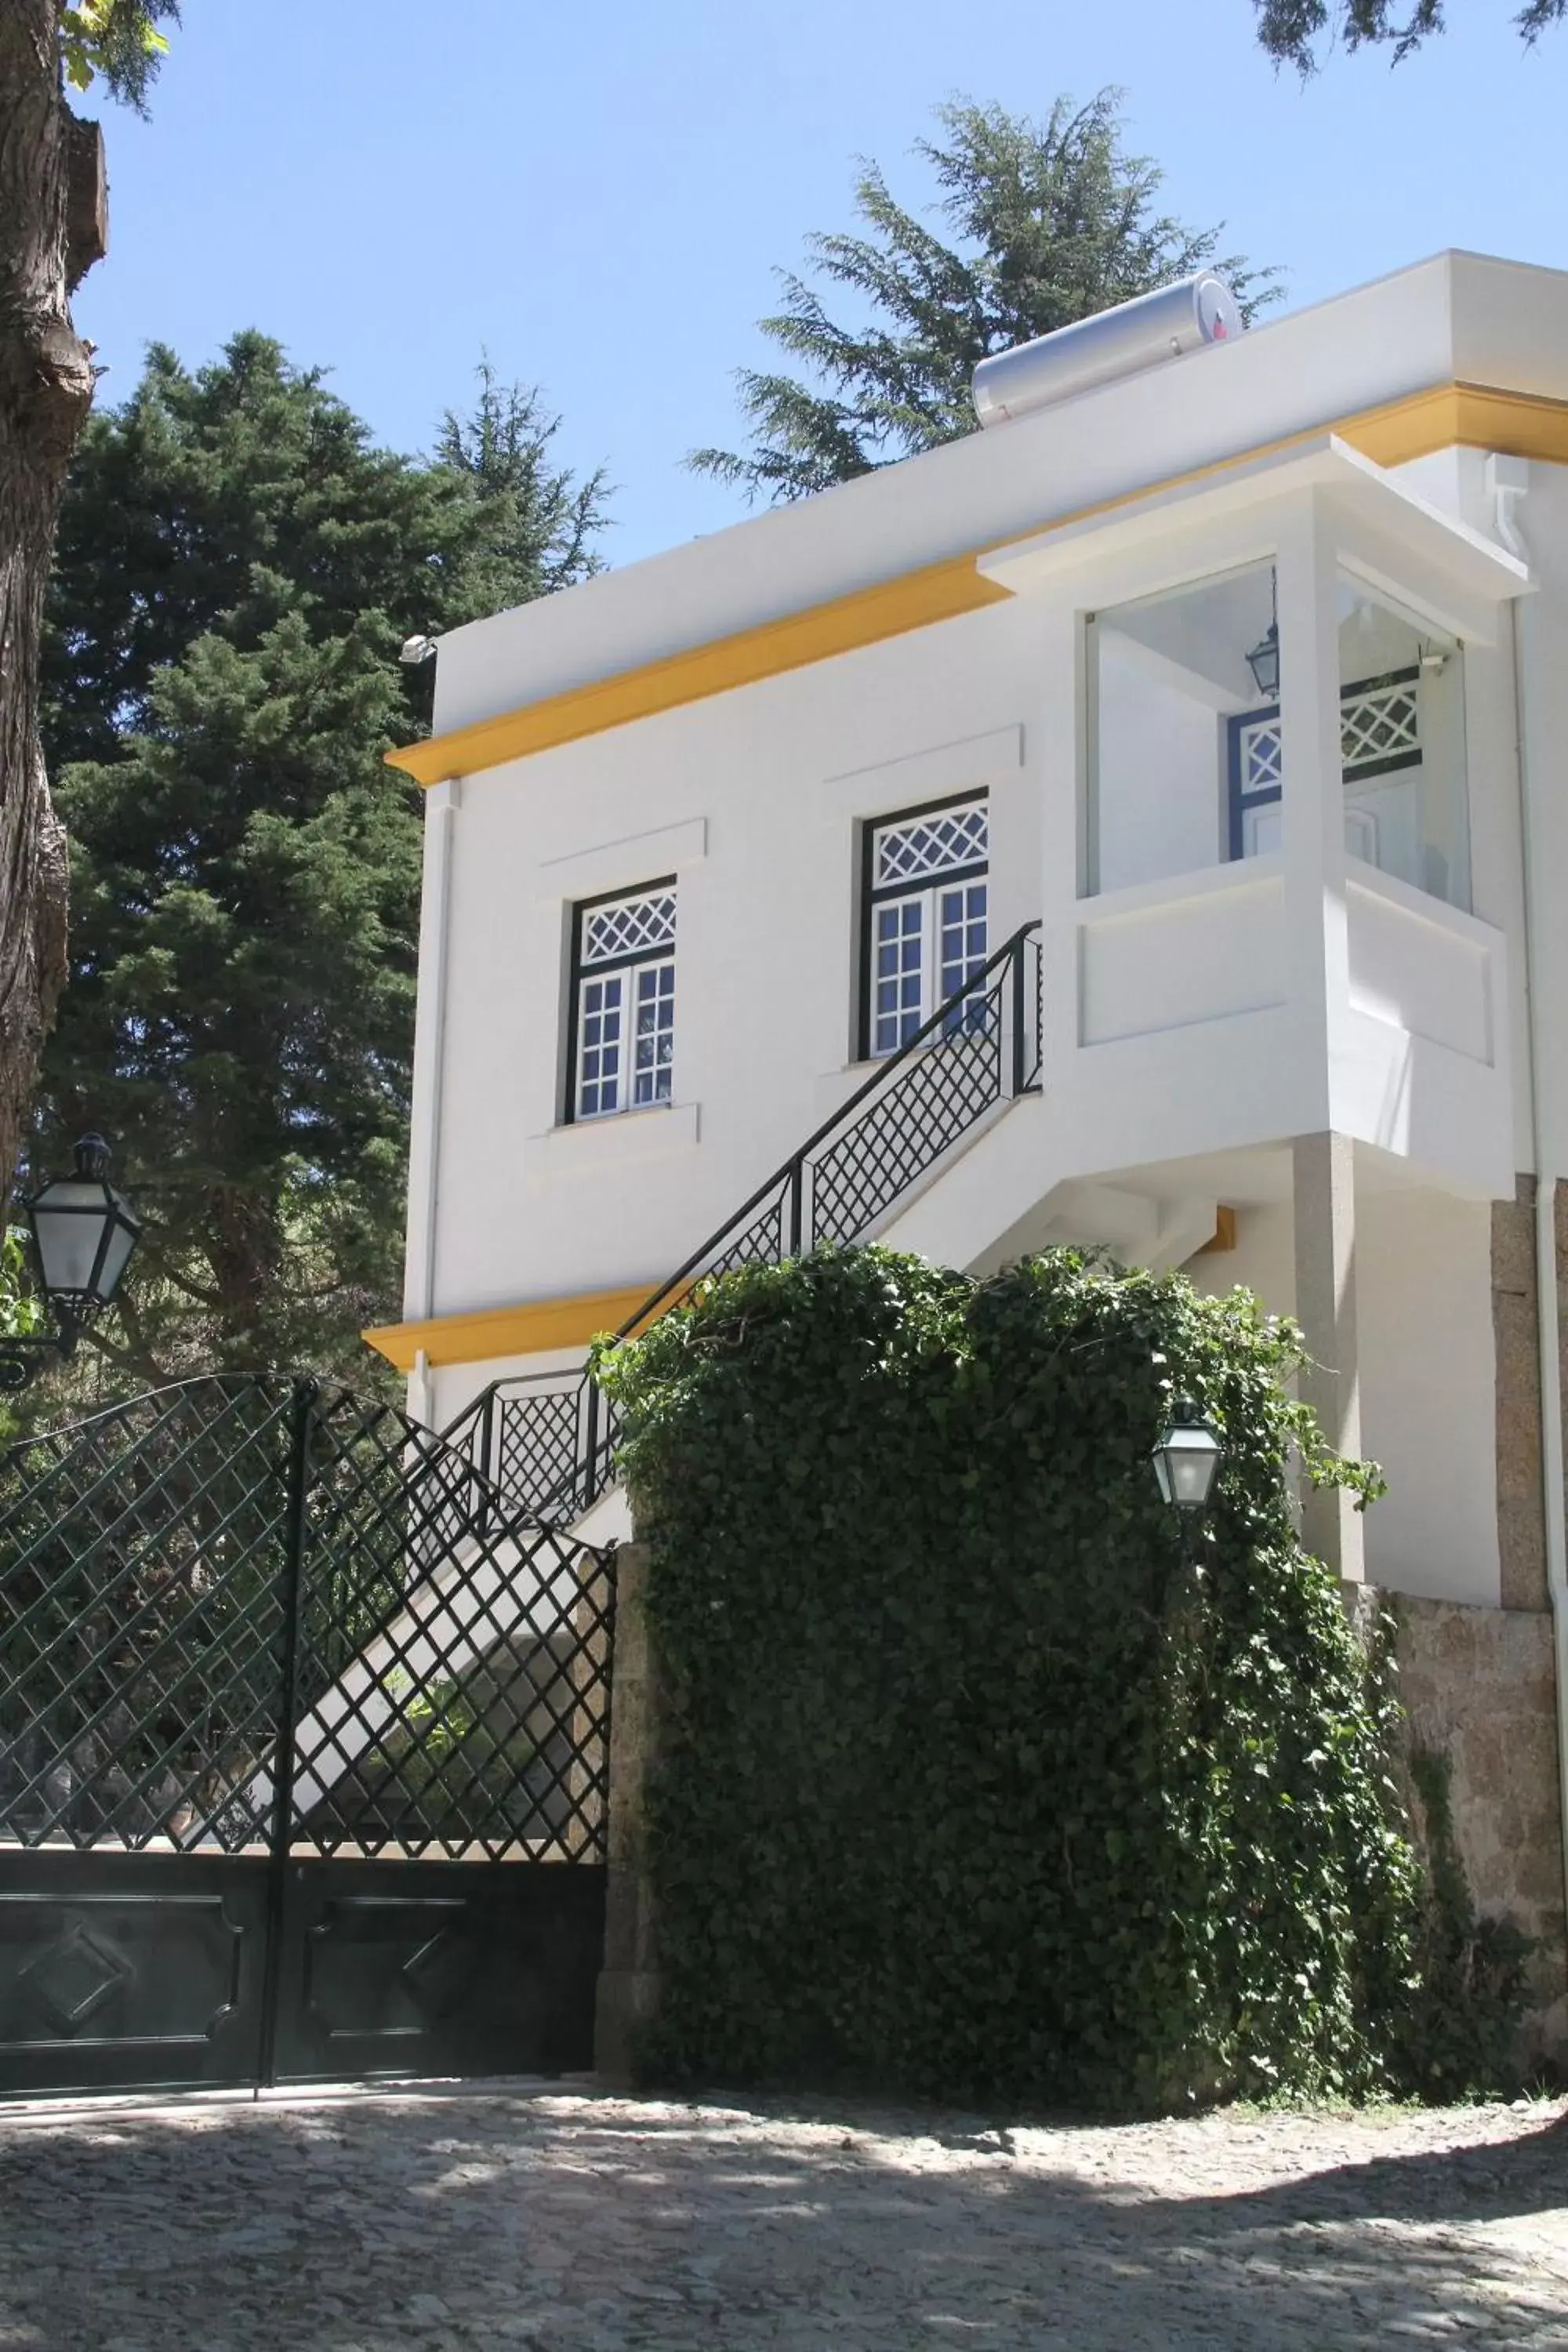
{"type": "Point", "coordinates": [622, 1135]}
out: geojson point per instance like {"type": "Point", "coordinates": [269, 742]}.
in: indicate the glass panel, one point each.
{"type": "Point", "coordinates": [1401, 733]}
{"type": "Point", "coordinates": [599, 1046]}
{"type": "Point", "coordinates": [961, 935]}
{"type": "Point", "coordinates": [897, 972]}
{"type": "Point", "coordinates": [69, 1223]}
{"type": "Point", "coordinates": [116, 1257]}
{"type": "Point", "coordinates": [654, 1050]}
{"type": "Point", "coordinates": [1167, 676]}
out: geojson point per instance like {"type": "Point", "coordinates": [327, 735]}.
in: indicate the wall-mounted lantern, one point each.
{"type": "Point", "coordinates": [1187, 1457]}
{"type": "Point", "coordinates": [83, 1233]}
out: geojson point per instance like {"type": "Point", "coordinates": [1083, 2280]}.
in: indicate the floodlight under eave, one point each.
{"type": "Point", "coordinates": [83, 1234]}
{"type": "Point", "coordinates": [1187, 1458]}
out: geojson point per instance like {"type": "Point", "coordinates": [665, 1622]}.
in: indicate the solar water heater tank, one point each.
{"type": "Point", "coordinates": [1142, 333]}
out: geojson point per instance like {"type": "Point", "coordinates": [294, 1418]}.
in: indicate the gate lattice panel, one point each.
{"type": "Point", "coordinates": [303, 1751]}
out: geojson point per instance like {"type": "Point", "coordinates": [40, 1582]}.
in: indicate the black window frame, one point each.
{"type": "Point", "coordinates": [872, 895]}
{"type": "Point", "coordinates": [581, 909]}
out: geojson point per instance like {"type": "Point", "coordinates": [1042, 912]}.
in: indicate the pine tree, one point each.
{"type": "Point", "coordinates": [1053, 220]}
{"type": "Point", "coordinates": [1290, 30]}
{"type": "Point", "coordinates": [237, 567]}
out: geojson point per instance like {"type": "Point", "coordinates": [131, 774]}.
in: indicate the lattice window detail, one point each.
{"type": "Point", "coordinates": [628, 927]}
{"type": "Point", "coordinates": [924, 848]}
{"type": "Point", "coordinates": [1380, 727]}
{"type": "Point", "coordinates": [1262, 756]}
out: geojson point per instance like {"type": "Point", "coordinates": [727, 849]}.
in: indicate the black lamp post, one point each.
{"type": "Point", "coordinates": [1187, 1459]}
{"type": "Point", "coordinates": [83, 1233]}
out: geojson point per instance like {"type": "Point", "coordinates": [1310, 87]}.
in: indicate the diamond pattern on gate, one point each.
{"type": "Point", "coordinates": [936, 1097]}
{"type": "Point", "coordinates": [1382, 724]}
{"type": "Point", "coordinates": [452, 1659]}
{"type": "Point", "coordinates": [628, 927]}
{"type": "Point", "coordinates": [451, 1701]}
{"type": "Point", "coordinates": [924, 848]}
{"type": "Point", "coordinates": [141, 1598]}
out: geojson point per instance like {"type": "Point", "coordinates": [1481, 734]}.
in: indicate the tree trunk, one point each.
{"type": "Point", "coordinates": [51, 231]}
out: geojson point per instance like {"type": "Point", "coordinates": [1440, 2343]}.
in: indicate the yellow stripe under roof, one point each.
{"type": "Point", "coordinates": [1467, 415]}
{"type": "Point", "coordinates": [521, 1330]}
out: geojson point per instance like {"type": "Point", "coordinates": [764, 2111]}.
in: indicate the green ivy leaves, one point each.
{"type": "Point", "coordinates": [975, 1783]}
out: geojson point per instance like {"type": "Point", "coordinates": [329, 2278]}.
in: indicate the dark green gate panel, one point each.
{"type": "Point", "coordinates": [304, 1746]}
{"type": "Point", "coordinates": [437, 1968]}
{"type": "Point", "coordinates": [125, 1972]}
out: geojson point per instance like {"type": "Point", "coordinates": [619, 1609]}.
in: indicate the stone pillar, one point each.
{"type": "Point", "coordinates": [1521, 1525]}
{"type": "Point", "coordinates": [1324, 1189]}
{"type": "Point", "coordinates": [628, 1985]}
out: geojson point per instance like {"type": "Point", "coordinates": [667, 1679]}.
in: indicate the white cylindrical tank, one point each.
{"type": "Point", "coordinates": [1162, 325]}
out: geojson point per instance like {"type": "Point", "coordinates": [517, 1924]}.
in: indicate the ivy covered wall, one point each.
{"type": "Point", "coordinates": [976, 1780]}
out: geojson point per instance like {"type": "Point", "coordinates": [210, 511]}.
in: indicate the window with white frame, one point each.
{"type": "Point", "coordinates": [622, 1006]}
{"type": "Point", "coordinates": [926, 891]}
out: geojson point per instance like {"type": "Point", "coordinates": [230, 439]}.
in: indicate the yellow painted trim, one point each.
{"type": "Point", "coordinates": [937, 592]}
{"type": "Point", "coordinates": [1468, 416]}
{"type": "Point", "coordinates": [523, 1330]}
{"type": "Point", "coordinates": [1223, 1235]}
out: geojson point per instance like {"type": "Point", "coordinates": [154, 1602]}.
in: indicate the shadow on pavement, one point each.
{"type": "Point", "coordinates": [569, 2221]}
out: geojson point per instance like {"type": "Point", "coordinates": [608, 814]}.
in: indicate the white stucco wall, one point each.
{"type": "Point", "coordinates": [1427, 1377]}
{"type": "Point", "coordinates": [753, 800]}
{"type": "Point", "coordinates": [1179, 1017]}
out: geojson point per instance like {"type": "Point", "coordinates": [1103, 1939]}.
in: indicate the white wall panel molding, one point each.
{"type": "Point", "coordinates": [928, 775]}
{"type": "Point", "coordinates": [628, 1137]}
{"type": "Point", "coordinates": [621, 865]}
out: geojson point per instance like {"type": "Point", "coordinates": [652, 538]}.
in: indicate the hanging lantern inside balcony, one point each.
{"type": "Point", "coordinates": [1263, 661]}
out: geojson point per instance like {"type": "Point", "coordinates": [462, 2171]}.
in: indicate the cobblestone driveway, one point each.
{"type": "Point", "coordinates": [518, 2217]}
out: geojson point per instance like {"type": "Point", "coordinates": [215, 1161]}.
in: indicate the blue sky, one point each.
{"type": "Point", "coordinates": [596, 194]}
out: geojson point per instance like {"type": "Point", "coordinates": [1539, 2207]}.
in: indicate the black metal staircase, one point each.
{"type": "Point", "coordinates": [546, 1441]}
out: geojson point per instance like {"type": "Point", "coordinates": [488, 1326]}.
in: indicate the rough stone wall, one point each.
{"type": "Point", "coordinates": [1479, 1687]}
{"type": "Point", "coordinates": [629, 1986]}
{"type": "Point", "coordinates": [1522, 1529]}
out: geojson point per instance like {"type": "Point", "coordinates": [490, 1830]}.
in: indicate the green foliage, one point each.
{"type": "Point", "coordinates": [1460, 2030]}
{"type": "Point", "coordinates": [20, 1309]}
{"type": "Point", "coordinates": [236, 568]}
{"type": "Point", "coordinates": [975, 1783]}
{"type": "Point", "coordinates": [117, 41]}
{"type": "Point", "coordinates": [443, 1755]}
{"type": "Point", "coordinates": [1290, 30]}
{"type": "Point", "coordinates": [1052, 220]}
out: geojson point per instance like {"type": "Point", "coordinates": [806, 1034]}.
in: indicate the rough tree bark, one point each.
{"type": "Point", "coordinates": [51, 232]}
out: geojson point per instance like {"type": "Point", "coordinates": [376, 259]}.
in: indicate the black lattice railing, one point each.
{"type": "Point", "coordinates": [253, 1613]}
{"type": "Point", "coordinates": [546, 1441]}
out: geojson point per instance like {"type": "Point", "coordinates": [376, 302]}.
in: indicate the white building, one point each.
{"type": "Point", "coordinates": [711, 836]}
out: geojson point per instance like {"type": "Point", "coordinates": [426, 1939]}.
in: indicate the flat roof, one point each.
{"type": "Point", "coordinates": [1410, 362]}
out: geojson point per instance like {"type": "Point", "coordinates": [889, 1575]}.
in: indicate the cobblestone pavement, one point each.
{"type": "Point", "coordinates": [550, 2219]}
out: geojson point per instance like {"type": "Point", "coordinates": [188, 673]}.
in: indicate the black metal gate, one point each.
{"type": "Point", "coordinates": [303, 1752]}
